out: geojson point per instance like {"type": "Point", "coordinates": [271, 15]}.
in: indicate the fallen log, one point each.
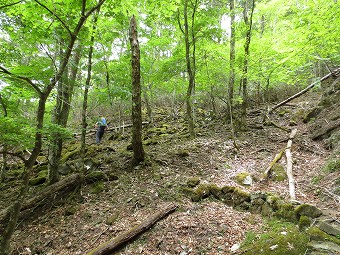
{"type": "Point", "coordinates": [335, 73]}
{"type": "Point", "coordinates": [290, 165]}
{"type": "Point", "coordinates": [109, 247]}
{"type": "Point", "coordinates": [50, 196]}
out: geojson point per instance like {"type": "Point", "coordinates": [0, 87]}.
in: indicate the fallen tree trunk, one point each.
{"type": "Point", "coordinates": [334, 73]}
{"type": "Point", "coordinates": [109, 247]}
{"type": "Point", "coordinates": [290, 165]}
{"type": "Point", "coordinates": [50, 196]}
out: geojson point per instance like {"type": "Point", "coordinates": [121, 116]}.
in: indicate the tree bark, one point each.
{"type": "Point", "coordinates": [109, 247]}
{"type": "Point", "coordinates": [138, 150]}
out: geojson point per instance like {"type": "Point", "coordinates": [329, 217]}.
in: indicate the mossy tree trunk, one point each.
{"type": "Point", "coordinates": [190, 57]}
{"type": "Point", "coordinates": [138, 150]}
{"type": "Point", "coordinates": [244, 80]}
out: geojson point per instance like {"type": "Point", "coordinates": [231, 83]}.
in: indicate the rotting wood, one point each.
{"type": "Point", "coordinates": [289, 170]}
{"type": "Point", "coordinates": [335, 73]}
{"type": "Point", "coordinates": [277, 157]}
{"type": "Point", "coordinates": [109, 247]}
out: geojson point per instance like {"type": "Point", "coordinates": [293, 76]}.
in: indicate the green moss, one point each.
{"type": "Point", "coordinates": [216, 191]}
{"type": "Point", "coordinates": [95, 176]}
{"type": "Point", "coordinates": [240, 177]}
{"type": "Point", "coordinates": [332, 165]}
{"type": "Point", "coordinates": [304, 222]}
{"type": "Point", "coordinates": [69, 154]}
{"type": "Point", "coordinates": [39, 179]}
{"type": "Point", "coordinates": [193, 181]}
{"type": "Point", "coordinates": [286, 211]}
{"type": "Point", "coordinates": [182, 153]}
{"type": "Point", "coordinates": [278, 172]}
{"type": "Point", "coordinates": [240, 196]}
{"type": "Point", "coordinates": [318, 235]}
{"type": "Point", "coordinates": [97, 187]}
{"type": "Point", "coordinates": [307, 210]}
{"type": "Point", "coordinates": [278, 238]}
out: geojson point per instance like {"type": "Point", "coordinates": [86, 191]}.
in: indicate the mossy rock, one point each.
{"type": "Point", "coordinates": [216, 191]}
{"type": "Point", "coordinates": [279, 238]}
{"type": "Point", "coordinates": [39, 179]}
{"type": "Point", "coordinates": [278, 172]}
{"type": "Point", "coordinates": [312, 114]}
{"type": "Point", "coordinates": [150, 141]}
{"type": "Point", "coordinates": [286, 211]}
{"type": "Point", "coordinates": [95, 176]}
{"type": "Point", "coordinates": [202, 191]}
{"type": "Point", "coordinates": [239, 196]}
{"type": "Point", "coordinates": [97, 187]}
{"type": "Point", "coordinates": [308, 210]}
{"type": "Point", "coordinates": [244, 179]}
{"type": "Point", "coordinates": [304, 222]}
{"type": "Point", "coordinates": [69, 155]}
{"type": "Point", "coordinates": [317, 234]}
{"type": "Point", "coordinates": [182, 153]}
{"type": "Point", "coordinates": [274, 201]}
{"type": "Point", "coordinates": [193, 181]}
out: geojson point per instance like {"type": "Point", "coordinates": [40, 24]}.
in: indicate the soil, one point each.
{"type": "Point", "coordinates": [206, 227]}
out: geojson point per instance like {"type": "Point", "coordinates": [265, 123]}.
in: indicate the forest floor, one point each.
{"type": "Point", "coordinates": [206, 227]}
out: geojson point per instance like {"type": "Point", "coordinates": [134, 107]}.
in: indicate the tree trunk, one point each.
{"type": "Point", "coordinates": [4, 154]}
{"type": "Point", "coordinates": [191, 63]}
{"type": "Point", "coordinates": [138, 150]}
{"type": "Point", "coordinates": [244, 80]}
{"type": "Point", "coordinates": [86, 92]}
{"type": "Point", "coordinates": [109, 247]}
{"type": "Point", "coordinates": [232, 54]}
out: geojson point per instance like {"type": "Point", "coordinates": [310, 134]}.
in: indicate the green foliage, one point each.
{"type": "Point", "coordinates": [16, 132]}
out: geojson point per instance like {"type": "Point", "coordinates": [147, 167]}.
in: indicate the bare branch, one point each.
{"type": "Point", "coordinates": [29, 81]}
{"type": "Point", "coordinates": [55, 15]}
{"type": "Point", "coordinates": [9, 5]}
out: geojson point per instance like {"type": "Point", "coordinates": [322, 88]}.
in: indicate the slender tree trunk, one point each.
{"type": "Point", "coordinates": [232, 54]}
{"type": "Point", "coordinates": [86, 92]}
{"type": "Point", "coordinates": [4, 154]}
{"type": "Point", "coordinates": [138, 150]}
{"type": "Point", "coordinates": [190, 64]}
{"type": "Point", "coordinates": [244, 80]}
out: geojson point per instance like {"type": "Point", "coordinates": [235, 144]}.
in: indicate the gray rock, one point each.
{"type": "Point", "coordinates": [330, 227]}
{"type": "Point", "coordinates": [324, 247]}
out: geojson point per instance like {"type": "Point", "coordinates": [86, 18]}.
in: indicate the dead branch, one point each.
{"type": "Point", "coordinates": [334, 73]}
{"type": "Point", "coordinates": [109, 247]}
{"type": "Point", "coordinates": [290, 165]}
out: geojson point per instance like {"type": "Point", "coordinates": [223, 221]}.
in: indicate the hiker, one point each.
{"type": "Point", "coordinates": [101, 125]}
